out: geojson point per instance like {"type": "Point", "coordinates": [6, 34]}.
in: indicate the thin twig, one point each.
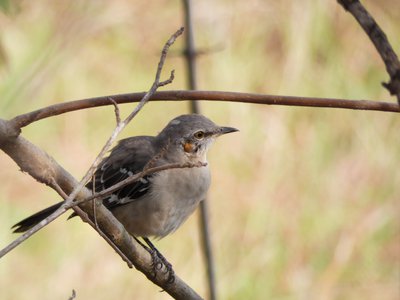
{"type": "Point", "coordinates": [169, 80]}
{"type": "Point", "coordinates": [31, 231]}
{"type": "Point", "coordinates": [116, 110]}
{"type": "Point", "coordinates": [107, 192]}
{"type": "Point", "coordinates": [158, 156]}
{"type": "Point", "coordinates": [157, 83]}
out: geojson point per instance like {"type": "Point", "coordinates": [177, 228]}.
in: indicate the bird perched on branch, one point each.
{"type": "Point", "coordinates": [156, 204]}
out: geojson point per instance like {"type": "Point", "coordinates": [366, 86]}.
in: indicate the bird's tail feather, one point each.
{"type": "Point", "coordinates": [36, 218]}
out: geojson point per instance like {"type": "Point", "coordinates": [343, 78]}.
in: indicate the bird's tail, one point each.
{"type": "Point", "coordinates": [31, 221]}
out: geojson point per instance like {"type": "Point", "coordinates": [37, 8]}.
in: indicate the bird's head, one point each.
{"type": "Point", "coordinates": [193, 135]}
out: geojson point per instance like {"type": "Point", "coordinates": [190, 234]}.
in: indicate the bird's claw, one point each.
{"type": "Point", "coordinates": [158, 260]}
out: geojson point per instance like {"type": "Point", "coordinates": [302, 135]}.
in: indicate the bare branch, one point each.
{"type": "Point", "coordinates": [381, 42]}
{"type": "Point", "coordinates": [116, 111]}
{"type": "Point", "coordinates": [169, 80]}
{"type": "Point", "coordinates": [182, 95]}
{"type": "Point", "coordinates": [156, 83]}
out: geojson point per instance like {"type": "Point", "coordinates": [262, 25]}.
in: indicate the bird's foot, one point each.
{"type": "Point", "coordinates": [158, 260]}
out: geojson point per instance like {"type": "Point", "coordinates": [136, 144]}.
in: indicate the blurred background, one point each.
{"type": "Point", "coordinates": [304, 202]}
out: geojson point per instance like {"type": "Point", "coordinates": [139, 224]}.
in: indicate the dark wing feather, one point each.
{"type": "Point", "coordinates": [129, 157]}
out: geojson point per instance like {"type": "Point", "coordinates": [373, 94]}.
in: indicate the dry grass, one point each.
{"type": "Point", "coordinates": [304, 202]}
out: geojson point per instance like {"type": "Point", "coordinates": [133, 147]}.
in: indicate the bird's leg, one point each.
{"type": "Point", "coordinates": [156, 261]}
{"type": "Point", "coordinates": [159, 260]}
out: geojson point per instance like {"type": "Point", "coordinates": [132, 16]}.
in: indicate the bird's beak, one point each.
{"type": "Point", "coordinates": [225, 130]}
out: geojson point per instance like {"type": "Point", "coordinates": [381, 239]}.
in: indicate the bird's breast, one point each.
{"type": "Point", "coordinates": [178, 192]}
{"type": "Point", "coordinates": [172, 198]}
{"type": "Point", "coordinates": [184, 184]}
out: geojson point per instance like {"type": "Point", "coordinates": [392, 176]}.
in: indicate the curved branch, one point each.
{"type": "Point", "coordinates": [57, 109]}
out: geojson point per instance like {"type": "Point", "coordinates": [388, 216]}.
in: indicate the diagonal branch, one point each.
{"type": "Point", "coordinates": [381, 42]}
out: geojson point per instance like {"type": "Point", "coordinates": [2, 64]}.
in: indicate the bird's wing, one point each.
{"type": "Point", "coordinates": [129, 157]}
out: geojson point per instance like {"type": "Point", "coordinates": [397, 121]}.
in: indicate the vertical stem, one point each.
{"type": "Point", "coordinates": [190, 58]}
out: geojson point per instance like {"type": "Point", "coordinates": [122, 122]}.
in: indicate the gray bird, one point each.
{"type": "Point", "coordinates": [157, 204]}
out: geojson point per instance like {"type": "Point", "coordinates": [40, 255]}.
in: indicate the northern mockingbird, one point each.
{"type": "Point", "coordinates": [157, 204]}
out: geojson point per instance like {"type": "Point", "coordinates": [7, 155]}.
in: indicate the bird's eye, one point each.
{"type": "Point", "coordinates": [199, 135]}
